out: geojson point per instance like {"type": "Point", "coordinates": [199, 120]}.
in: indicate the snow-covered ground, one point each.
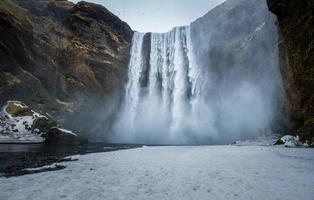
{"type": "Point", "coordinates": [197, 172]}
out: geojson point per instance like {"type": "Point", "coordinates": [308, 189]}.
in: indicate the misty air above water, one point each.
{"type": "Point", "coordinates": [215, 81]}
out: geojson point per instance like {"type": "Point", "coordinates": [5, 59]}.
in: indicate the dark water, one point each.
{"type": "Point", "coordinates": [63, 149]}
{"type": "Point", "coordinates": [15, 158]}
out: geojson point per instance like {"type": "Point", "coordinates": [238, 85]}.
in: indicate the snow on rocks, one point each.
{"type": "Point", "coordinates": [290, 141]}
{"type": "Point", "coordinates": [16, 124]}
{"type": "Point", "coordinates": [62, 136]}
{"type": "Point", "coordinates": [20, 124]}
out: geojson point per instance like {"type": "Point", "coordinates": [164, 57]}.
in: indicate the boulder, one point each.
{"type": "Point", "coordinates": [289, 141]}
{"type": "Point", "coordinates": [16, 120]}
{"type": "Point", "coordinates": [61, 136]}
{"type": "Point", "coordinates": [20, 124]}
{"type": "Point", "coordinates": [18, 109]}
{"type": "Point", "coordinates": [43, 124]}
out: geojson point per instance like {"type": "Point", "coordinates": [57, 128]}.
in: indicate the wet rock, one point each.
{"type": "Point", "coordinates": [55, 55]}
{"type": "Point", "coordinates": [307, 130]}
{"type": "Point", "coordinates": [43, 124]}
{"type": "Point", "coordinates": [296, 58]}
{"type": "Point", "coordinates": [61, 136]}
{"type": "Point", "coordinates": [279, 142]}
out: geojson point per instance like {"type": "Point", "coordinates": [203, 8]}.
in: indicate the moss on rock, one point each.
{"type": "Point", "coordinates": [279, 142]}
{"type": "Point", "coordinates": [18, 109]}
{"type": "Point", "coordinates": [43, 124]}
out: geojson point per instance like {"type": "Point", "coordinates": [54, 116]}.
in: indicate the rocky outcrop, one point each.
{"type": "Point", "coordinates": [289, 141]}
{"type": "Point", "coordinates": [16, 124]}
{"type": "Point", "coordinates": [20, 124]}
{"type": "Point", "coordinates": [61, 136]}
{"type": "Point", "coordinates": [56, 55]}
{"type": "Point", "coordinates": [296, 23]}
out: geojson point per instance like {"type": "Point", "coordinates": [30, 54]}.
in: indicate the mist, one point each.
{"type": "Point", "coordinates": [213, 82]}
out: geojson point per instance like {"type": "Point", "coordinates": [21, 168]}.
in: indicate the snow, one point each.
{"type": "Point", "coordinates": [17, 103]}
{"type": "Point", "coordinates": [195, 172]}
{"type": "Point", "coordinates": [18, 129]}
{"type": "Point", "coordinates": [291, 141]}
{"type": "Point", "coordinates": [42, 168]}
{"type": "Point", "coordinates": [66, 131]}
{"type": "Point", "coordinates": [264, 140]}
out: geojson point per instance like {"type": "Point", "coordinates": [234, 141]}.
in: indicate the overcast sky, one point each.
{"type": "Point", "coordinates": [157, 15]}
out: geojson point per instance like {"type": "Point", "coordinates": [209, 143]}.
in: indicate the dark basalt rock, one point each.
{"type": "Point", "coordinates": [57, 136]}
{"type": "Point", "coordinates": [277, 6]}
{"type": "Point", "coordinates": [43, 124]}
{"type": "Point", "coordinates": [296, 48]}
{"type": "Point", "coordinates": [279, 142]}
{"type": "Point", "coordinates": [306, 131]}
{"type": "Point", "coordinates": [83, 18]}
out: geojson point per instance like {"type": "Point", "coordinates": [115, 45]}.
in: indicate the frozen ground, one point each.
{"type": "Point", "coordinates": [199, 172]}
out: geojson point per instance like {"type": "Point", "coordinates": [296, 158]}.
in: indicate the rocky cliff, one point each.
{"type": "Point", "coordinates": [55, 55]}
{"type": "Point", "coordinates": [62, 58]}
{"type": "Point", "coordinates": [296, 23]}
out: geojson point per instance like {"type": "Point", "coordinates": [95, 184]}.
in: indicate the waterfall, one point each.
{"type": "Point", "coordinates": [168, 92]}
{"type": "Point", "coordinates": [133, 86]}
{"type": "Point", "coordinates": [210, 82]}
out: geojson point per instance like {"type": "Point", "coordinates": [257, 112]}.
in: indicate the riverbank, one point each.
{"type": "Point", "coordinates": [181, 172]}
{"type": "Point", "coordinates": [16, 158]}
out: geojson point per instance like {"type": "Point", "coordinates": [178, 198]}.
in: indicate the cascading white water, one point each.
{"type": "Point", "coordinates": [197, 84]}
{"type": "Point", "coordinates": [133, 86]}
{"type": "Point", "coordinates": [166, 99]}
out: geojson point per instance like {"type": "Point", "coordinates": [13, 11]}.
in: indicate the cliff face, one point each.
{"type": "Point", "coordinates": [55, 55]}
{"type": "Point", "coordinates": [296, 22]}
